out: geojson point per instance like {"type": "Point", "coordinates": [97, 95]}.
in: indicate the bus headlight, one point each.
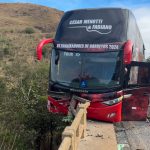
{"type": "Point", "coordinates": [114, 101]}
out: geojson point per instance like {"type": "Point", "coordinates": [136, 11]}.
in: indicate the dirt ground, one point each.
{"type": "Point", "coordinates": [128, 135]}
{"type": "Point", "coordinates": [100, 136]}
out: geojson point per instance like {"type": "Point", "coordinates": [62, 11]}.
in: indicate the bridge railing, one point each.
{"type": "Point", "coordinates": [72, 134]}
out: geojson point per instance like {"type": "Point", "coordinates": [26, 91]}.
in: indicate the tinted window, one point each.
{"type": "Point", "coordinates": [139, 75]}
{"type": "Point", "coordinates": [93, 70]}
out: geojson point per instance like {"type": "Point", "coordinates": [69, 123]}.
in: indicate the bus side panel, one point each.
{"type": "Point", "coordinates": [134, 35]}
{"type": "Point", "coordinates": [135, 104]}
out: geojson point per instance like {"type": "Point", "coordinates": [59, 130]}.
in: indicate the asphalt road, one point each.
{"type": "Point", "coordinates": [133, 135]}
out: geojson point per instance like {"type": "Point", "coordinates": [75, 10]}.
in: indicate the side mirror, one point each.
{"type": "Point", "coordinates": [40, 47]}
{"type": "Point", "coordinates": [128, 52]}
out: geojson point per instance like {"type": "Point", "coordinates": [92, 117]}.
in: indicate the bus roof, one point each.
{"type": "Point", "coordinates": [93, 26]}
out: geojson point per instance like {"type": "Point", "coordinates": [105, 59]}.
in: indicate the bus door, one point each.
{"type": "Point", "coordinates": [136, 91]}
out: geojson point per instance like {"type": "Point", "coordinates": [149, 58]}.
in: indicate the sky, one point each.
{"type": "Point", "coordinates": [140, 8]}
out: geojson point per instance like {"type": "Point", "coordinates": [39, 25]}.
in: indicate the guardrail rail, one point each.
{"type": "Point", "coordinates": [72, 134]}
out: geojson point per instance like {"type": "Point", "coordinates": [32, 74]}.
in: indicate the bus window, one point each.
{"type": "Point", "coordinates": [144, 76]}
{"type": "Point", "coordinates": [139, 74]}
{"type": "Point", "coordinates": [133, 75]}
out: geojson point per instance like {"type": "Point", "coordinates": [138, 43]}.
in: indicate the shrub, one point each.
{"type": "Point", "coordinates": [29, 30]}
{"type": "Point", "coordinates": [25, 118]}
{"type": "Point", "coordinates": [2, 87]}
{"type": "Point", "coordinates": [5, 46]}
{"type": "Point", "coordinates": [6, 51]}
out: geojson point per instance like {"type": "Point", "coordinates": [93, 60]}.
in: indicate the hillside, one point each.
{"type": "Point", "coordinates": [24, 119]}
{"type": "Point", "coordinates": [17, 16]}
{"type": "Point", "coordinates": [22, 26]}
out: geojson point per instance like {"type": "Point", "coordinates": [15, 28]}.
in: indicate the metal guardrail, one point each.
{"type": "Point", "coordinates": [72, 134]}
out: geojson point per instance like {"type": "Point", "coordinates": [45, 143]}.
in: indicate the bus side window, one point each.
{"type": "Point", "coordinates": [139, 75]}
{"type": "Point", "coordinates": [144, 76]}
{"type": "Point", "coordinates": [133, 75]}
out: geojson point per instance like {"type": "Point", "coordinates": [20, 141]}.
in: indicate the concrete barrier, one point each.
{"type": "Point", "coordinates": [72, 134]}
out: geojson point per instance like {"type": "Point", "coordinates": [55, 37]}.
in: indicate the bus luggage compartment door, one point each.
{"type": "Point", "coordinates": [137, 92]}
{"type": "Point", "coordinates": [135, 104]}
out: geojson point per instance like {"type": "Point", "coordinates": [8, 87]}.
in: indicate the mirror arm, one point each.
{"type": "Point", "coordinates": [40, 47]}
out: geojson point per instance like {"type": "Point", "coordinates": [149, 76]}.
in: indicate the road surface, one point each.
{"type": "Point", "coordinates": [100, 136]}
{"type": "Point", "coordinates": [135, 135]}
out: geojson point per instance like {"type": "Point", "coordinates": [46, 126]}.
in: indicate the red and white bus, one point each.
{"type": "Point", "coordinates": [98, 56]}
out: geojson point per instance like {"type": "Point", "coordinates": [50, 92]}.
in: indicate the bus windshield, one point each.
{"type": "Point", "coordinates": [86, 70]}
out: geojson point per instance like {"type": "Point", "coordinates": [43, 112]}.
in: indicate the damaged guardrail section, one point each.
{"type": "Point", "coordinates": [72, 134]}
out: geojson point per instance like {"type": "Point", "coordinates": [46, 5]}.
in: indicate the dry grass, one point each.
{"type": "Point", "coordinates": [15, 43]}
{"type": "Point", "coordinates": [18, 16]}
{"type": "Point", "coordinates": [17, 65]}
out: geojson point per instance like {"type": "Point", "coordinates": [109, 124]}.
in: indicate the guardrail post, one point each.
{"type": "Point", "coordinates": [69, 132]}
{"type": "Point", "coordinates": [83, 119]}
{"type": "Point", "coordinates": [72, 134]}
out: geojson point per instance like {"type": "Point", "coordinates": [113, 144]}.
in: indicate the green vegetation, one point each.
{"type": "Point", "coordinates": [25, 123]}
{"type": "Point", "coordinates": [29, 30]}
{"type": "Point", "coordinates": [5, 47]}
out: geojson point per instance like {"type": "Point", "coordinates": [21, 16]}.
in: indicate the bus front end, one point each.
{"type": "Point", "coordinates": [87, 63]}
{"type": "Point", "coordinates": [94, 76]}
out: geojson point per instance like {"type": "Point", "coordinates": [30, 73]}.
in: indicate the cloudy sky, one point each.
{"type": "Point", "coordinates": [140, 8]}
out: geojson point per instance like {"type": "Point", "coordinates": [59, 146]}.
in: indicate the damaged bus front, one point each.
{"type": "Point", "coordinates": [91, 52]}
